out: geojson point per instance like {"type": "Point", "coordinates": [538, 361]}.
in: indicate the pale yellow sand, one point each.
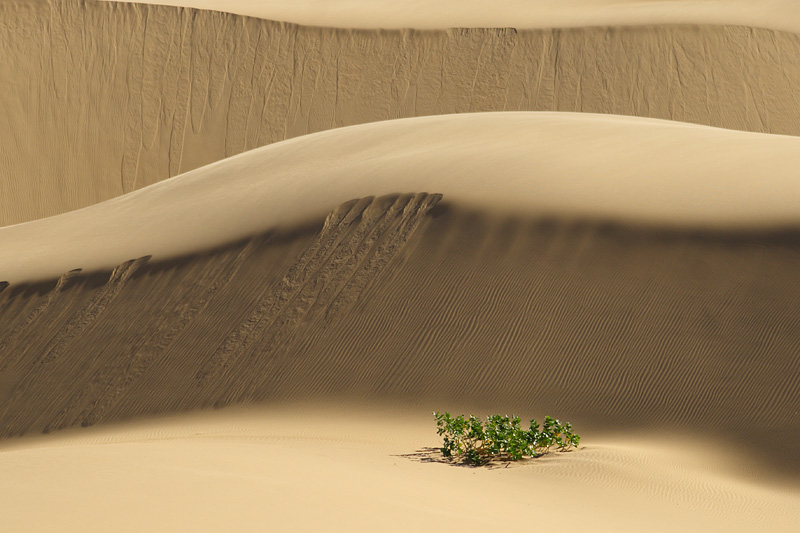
{"type": "Point", "coordinates": [580, 165]}
{"type": "Point", "coordinates": [426, 14]}
{"type": "Point", "coordinates": [323, 469]}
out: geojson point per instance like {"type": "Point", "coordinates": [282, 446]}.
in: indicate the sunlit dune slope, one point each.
{"type": "Point", "coordinates": [509, 291]}
{"type": "Point", "coordinates": [565, 164]}
{"type": "Point", "coordinates": [100, 99]}
{"type": "Point", "coordinates": [322, 469]}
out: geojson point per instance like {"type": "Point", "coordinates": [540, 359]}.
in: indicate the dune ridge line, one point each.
{"type": "Point", "coordinates": [120, 96]}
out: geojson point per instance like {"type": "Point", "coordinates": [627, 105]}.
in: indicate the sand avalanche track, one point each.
{"type": "Point", "coordinates": [115, 97]}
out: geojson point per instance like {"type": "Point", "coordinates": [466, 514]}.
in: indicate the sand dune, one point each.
{"type": "Point", "coordinates": [531, 164]}
{"type": "Point", "coordinates": [405, 299]}
{"type": "Point", "coordinates": [323, 469]}
{"type": "Point", "coordinates": [521, 14]}
{"type": "Point", "coordinates": [329, 289]}
{"type": "Point", "coordinates": [100, 99]}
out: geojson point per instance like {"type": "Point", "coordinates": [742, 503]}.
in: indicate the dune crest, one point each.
{"type": "Point", "coordinates": [529, 164]}
{"type": "Point", "coordinates": [105, 98]}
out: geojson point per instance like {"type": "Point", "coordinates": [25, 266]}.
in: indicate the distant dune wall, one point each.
{"type": "Point", "coordinates": [405, 299]}
{"type": "Point", "coordinates": [99, 99]}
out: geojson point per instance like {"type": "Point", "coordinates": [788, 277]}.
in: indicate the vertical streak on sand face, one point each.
{"type": "Point", "coordinates": [391, 244]}
{"type": "Point", "coordinates": [96, 306]}
{"type": "Point", "coordinates": [7, 344]}
{"type": "Point", "coordinates": [339, 284]}
{"type": "Point", "coordinates": [376, 251]}
{"type": "Point", "coordinates": [146, 92]}
{"type": "Point", "coordinates": [113, 379]}
{"type": "Point", "coordinates": [274, 298]}
{"type": "Point", "coordinates": [362, 241]}
{"type": "Point", "coordinates": [59, 344]}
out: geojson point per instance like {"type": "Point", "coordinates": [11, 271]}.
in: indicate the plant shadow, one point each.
{"type": "Point", "coordinates": [434, 455]}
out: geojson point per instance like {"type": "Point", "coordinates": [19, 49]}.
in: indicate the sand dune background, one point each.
{"type": "Point", "coordinates": [564, 165]}
{"type": "Point", "coordinates": [119, 96]}
{"type": "Point", "coordinates": [326, 290]}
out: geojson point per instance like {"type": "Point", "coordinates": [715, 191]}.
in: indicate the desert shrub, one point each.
{"type": "Point", "coordinates": [501, 437]}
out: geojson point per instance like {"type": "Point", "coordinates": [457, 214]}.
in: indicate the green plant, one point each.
{"type": "Point", "coordinates": [501, 437]}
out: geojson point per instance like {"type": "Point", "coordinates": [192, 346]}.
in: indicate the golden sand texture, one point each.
{"type": "Point", "coordinates": [642, 171]}
{"type": "Point", "coordinates": [100, 99]}
{"type": "Point", "coordinates": [405, 299]}
{"type": "Point", "coordinates": [318, 468]}
{"type": "Point", "coordinates": [329, 289]}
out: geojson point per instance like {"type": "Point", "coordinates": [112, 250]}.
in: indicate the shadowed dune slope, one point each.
{"type": "Point", "coordinates": [100, 99]}
{"type": "Point", "coordinates": [406, 299]}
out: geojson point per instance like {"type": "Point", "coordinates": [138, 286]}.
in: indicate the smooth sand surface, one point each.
{"type": "Point", "coordinates": [100, 99]}
{"type": "Point", "coordinates": [423, 14]}
{"type": "Point", "coordinates": [321, 469]}
{"type": "Point", "coordinates": [564, 164]}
